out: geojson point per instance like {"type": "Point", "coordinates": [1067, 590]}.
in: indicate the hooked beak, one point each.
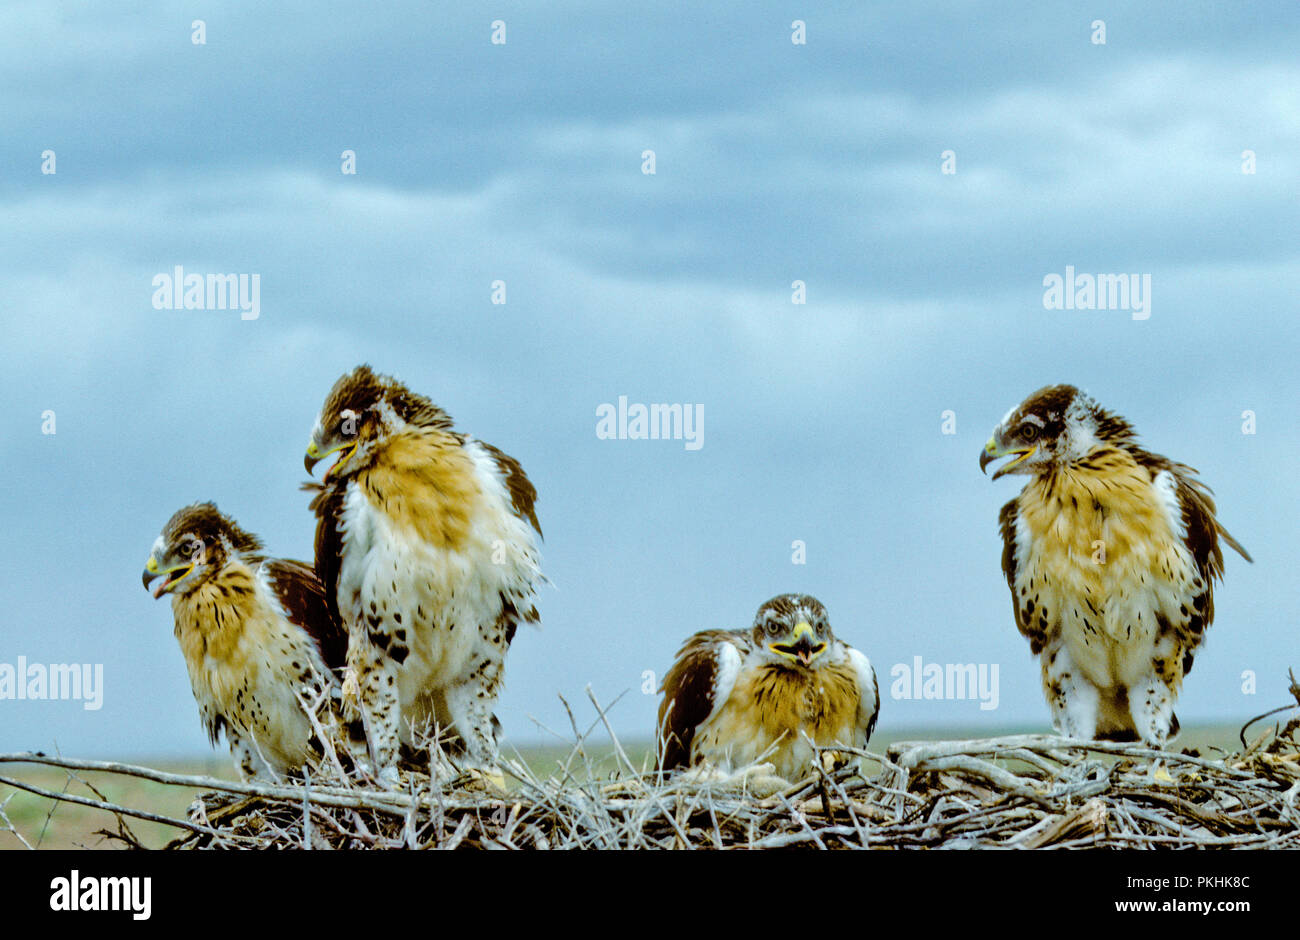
{"type": "Point", "coordinates": [315, 456]}
{"type": "Point", "coordinates": [993, 451]}
{"type": "Point", "coordinates": [805, 644]}
{"type": "Point", "coordinates": [152, 573]}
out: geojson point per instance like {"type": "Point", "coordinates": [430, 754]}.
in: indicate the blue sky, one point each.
{"type": "Point", "coordinates": [522, 162]}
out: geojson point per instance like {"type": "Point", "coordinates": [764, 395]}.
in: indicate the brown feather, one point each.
{"type": "Point", "coordinates": [211, 526]}
{"type": "Point", "coordinates": [522, 492]}
{"type": "Point", "coordinates": [327, 504]}
{"type": "Point", "coordinates": [304, 599]}
{"type": "Point", "coordinates": [1027, 626]}
{"type": "Point", "coordinates": [688, 694]}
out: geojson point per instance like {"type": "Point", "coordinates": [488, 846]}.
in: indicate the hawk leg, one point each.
{"type": "Point", "coordinates": [248, 761]}
{"type": "Point", "coordinates": [1074, 701]}
{"type": "Point", "coordinates": [378, 707]}
{"type": "Point", "coordinates": [1151, 699]}
{"type": "Point", "coordinates": [1151, 703]}
{"type": "Point", "coordinates": [470, 706]}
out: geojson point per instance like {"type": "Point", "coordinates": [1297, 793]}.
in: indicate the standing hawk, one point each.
{"type": "Point", "coordinates": [428, 547]}
{"type": "Point", "coordinates": [1110, 553]}
{"type": "Point", "coordinates": [256, 632]}
{"type": "Point", "coordinates": [769, 693]}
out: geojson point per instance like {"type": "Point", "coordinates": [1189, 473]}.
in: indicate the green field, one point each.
{"type": "Point", "coordinates": [46, 823]}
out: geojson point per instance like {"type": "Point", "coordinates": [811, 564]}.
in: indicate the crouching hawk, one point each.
{"type": "Point", "coordinates": [1110, 553]}
{"type": "Point", "coordinates": [256, 634]}
{"type": "Point", "coordinates": [769, 693]}
{"type": "Point", "coordinates": [428, 546]}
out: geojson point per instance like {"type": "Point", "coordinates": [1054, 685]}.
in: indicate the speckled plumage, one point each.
{"type": "Point", "coordinates": [255, 633]}
{"type": "Point", "coordinates": [1110, 553]}
{"type": "Point", "coordinates": [428, 544]}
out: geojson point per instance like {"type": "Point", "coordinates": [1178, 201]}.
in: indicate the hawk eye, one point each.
{"type": "Point", "coordinates": [1029, 431]}
{"type": "Point", "coordinates": [773, 628]}
{"type": "Point", "coordinates": [821, 628]}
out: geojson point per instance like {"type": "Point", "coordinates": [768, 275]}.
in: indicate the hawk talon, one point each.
{"type": "Point", "coordinates": [351, 689]}
{"type": "Point", "coordinates": [832, 761]}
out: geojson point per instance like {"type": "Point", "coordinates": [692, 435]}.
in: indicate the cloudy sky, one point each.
{"type": "Point", "coordinates": [522, 162]}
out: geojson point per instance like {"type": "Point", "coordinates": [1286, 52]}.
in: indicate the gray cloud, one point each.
{"type": "Point", "coordinates": [822, 421]}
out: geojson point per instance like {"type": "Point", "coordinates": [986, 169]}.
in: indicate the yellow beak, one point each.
{"type": "Point", "coordinates": [315, 455]}
{"type": "Point", "coordinates": [803, 645]}
{"type": "Point", "coordinates": [152, 573]}
{"type": "Point", "coordinates": [992, 451]}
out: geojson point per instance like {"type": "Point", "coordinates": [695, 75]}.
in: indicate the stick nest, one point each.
{"type": "Point", "coordinates": [1023, 791]}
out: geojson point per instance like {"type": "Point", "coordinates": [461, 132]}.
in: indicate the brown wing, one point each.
{"type": "Point", "coordinates": [304, 600]}
{"type": "Point", "coordinates": [1197, 511]}
{"type": "Point", "coordinates": [1203, 531]}
{"type": "Point", "coordinates": [1203, 528]}
{"type": "Point", "coordinates": [875, 712]}
{"type": "Point", "coordinates": [1034, 631]}
{"type": "Point", "coordinates": [1196, 501]}
{"type": "Point", "coordinates": [693, 686]}
{"type": "Point", "coordinates": [327, 504]}
{"type": "Point", "coordinates": [522, 492]}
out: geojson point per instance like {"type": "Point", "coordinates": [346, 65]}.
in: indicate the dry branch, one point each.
{"type": "Point", "coordinates": [1021, 791]}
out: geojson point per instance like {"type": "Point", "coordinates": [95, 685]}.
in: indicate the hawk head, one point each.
{"type": "Point", "coordinates": [362, 410]}
{"type": "Point", "coordinates": [194, 545]}
{"type": "Point", "coordinates": [1053, 427]}
{"type": "Point", "coordinates": [793, 630]}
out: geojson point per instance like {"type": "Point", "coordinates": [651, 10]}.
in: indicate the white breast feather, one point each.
{"type": "Point", "coordinates": [727, 665]}
{"type": "Point", "coordinates": [867, 691]}
{"type": "Point", "coordinates": [459, 587]}
{"type": "Point", "coordinates": [1166, 488]}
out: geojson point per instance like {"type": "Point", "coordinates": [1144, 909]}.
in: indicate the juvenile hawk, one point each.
{"type": "Point", "coordinates": [254, 631]}
{"type": "Point", "coordinates": [1110, 553]}
{"type": "Point", "coordinates": [428, 547]}
{"type": "Point", "coordinates": [768, 693]}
